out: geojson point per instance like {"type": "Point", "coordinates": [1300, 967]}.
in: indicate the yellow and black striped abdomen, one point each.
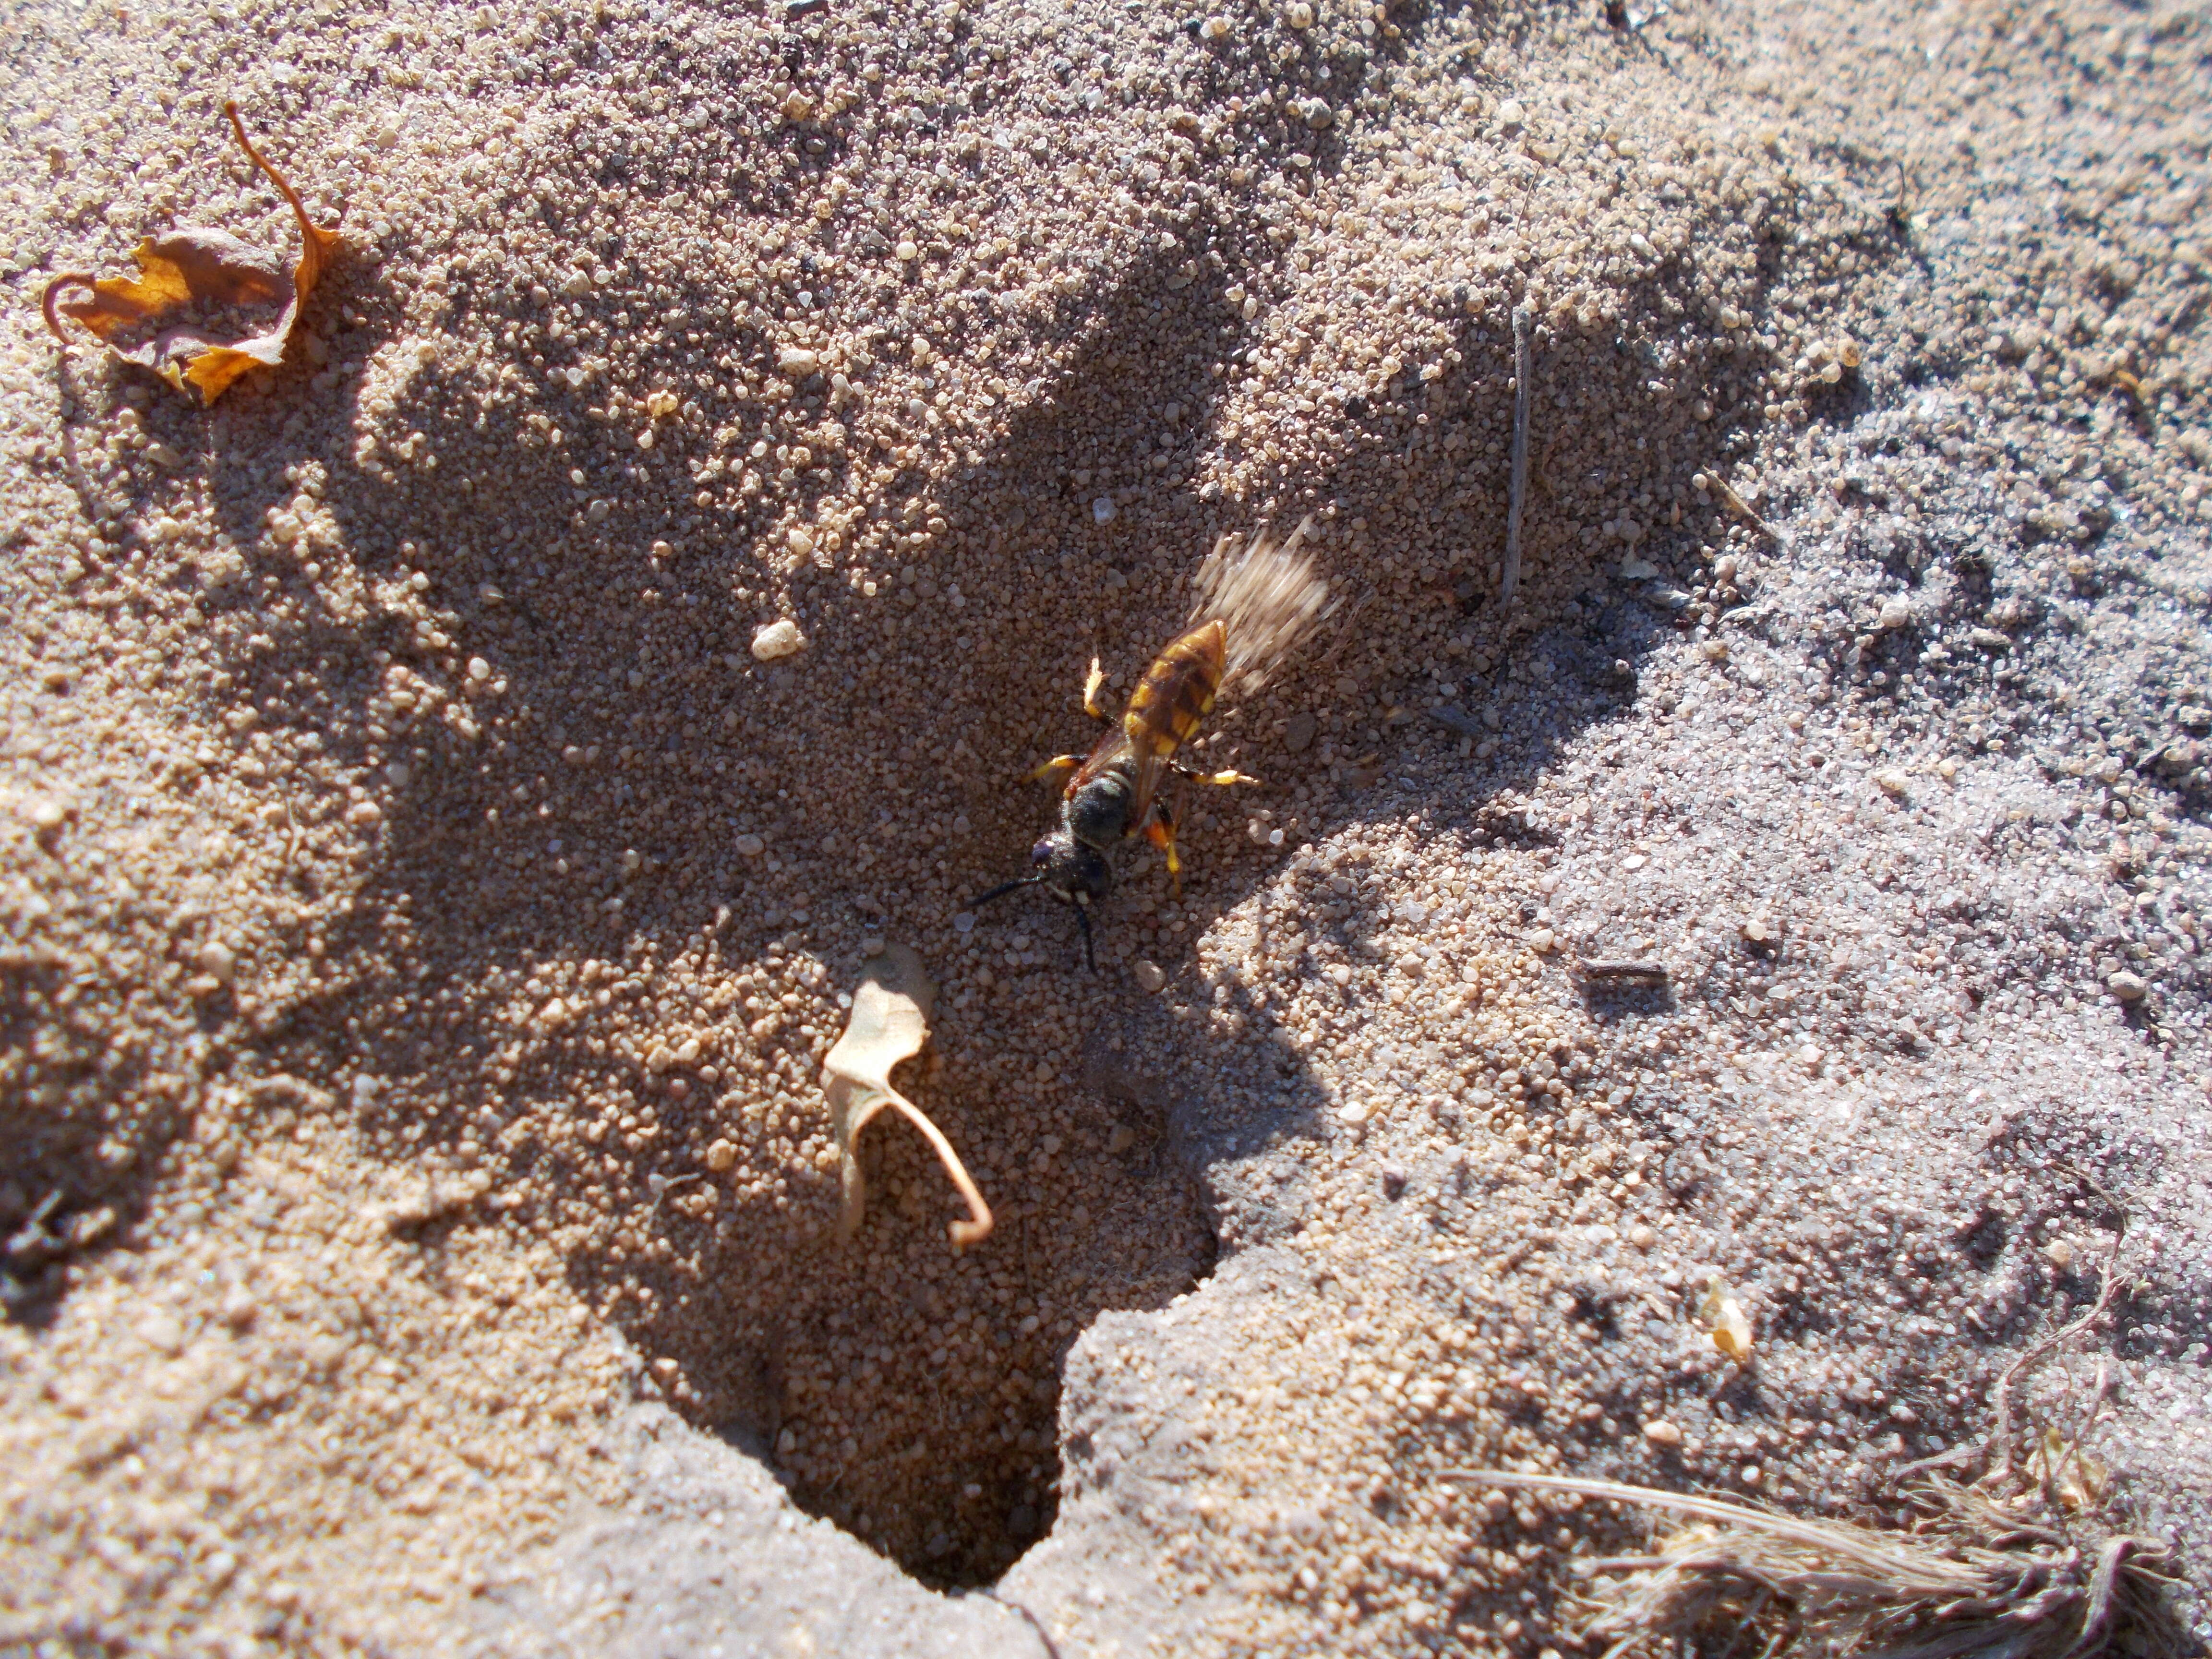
{"type": "Point", "coordinates": [1177, 692]}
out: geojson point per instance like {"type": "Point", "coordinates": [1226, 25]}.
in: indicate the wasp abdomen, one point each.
{"type": "Point", "coordinates": [1177, 692]}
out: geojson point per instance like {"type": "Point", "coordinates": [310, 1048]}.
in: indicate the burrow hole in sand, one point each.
{"type": "Point", "coordinates": [909, 1395]}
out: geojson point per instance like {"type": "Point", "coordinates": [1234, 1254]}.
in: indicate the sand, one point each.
{"type": "Point", "coordinates": [426, 912]}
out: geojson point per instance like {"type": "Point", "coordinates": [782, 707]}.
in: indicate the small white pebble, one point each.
{"type": "Point", "coordinates": [797, 363]}
{"type": "Point", "coordinates": [1150, 975]}
{"type": "Point", "coordinates": [964, 923]}
{"type": "Point", "coordinates": [2128, 987]}
{"type": "Point", "coordinates": [780, 638]}
{"type": "Point", "coordinates": [751, 846]}
{"type": "Point", "coordinates": [1893, 781]}
{"type": "Point", "coordinates": [1896, 611]}
{"type": "Point", "coordinates": [1215, 28]}
{"type": "Point", "coordinates": [218, 962]}
{"type": "Point", "coordinates": [479, 668]}
{"type": "Point", "coordinates": [1510, 114]}
{"type": "Point", "coordinates": [1542, 939]}
{"type": "Point", "coordinates": [1102, 509]}
{"type": "Point", "coordinates": [907, 253]}
{"type": "Point", "coordinates": [1298, 15]}
{"type": "Point", "coordinates": [1660, 1432]}
{"type": "Point", "coordinates": [1354, 1114]}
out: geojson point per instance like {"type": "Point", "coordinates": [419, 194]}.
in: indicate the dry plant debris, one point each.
{"type": "Point", "coordinates": [201, 267]}
{"type": "Point", "coordinates": [889, 1024]}
{"type": "Point", "coordinates": [1724, 1314]}
{"type": "Point", "coordinates": [1978, 1577]}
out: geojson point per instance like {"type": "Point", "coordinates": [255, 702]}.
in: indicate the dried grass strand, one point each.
{"type": "Point", "coordinates": [1974, 1581]}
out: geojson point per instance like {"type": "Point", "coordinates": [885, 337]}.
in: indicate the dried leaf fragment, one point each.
{"type": "Point", "coordinates": [890, 1024]}
{"type": "Point", "coordinates": [1724, 1314]}
{"type": "Point", "coordinates": [198, 266]}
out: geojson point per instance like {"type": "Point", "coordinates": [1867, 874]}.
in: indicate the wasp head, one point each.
{"type": "Point", "coordinates": [1071, 869]}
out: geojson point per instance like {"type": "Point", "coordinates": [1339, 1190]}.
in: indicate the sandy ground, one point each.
{"type": "Point", "coordinates": [425, 916]}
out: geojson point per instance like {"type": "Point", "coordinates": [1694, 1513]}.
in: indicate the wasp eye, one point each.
{"type": "Point", "coordinates": [1041, 854]}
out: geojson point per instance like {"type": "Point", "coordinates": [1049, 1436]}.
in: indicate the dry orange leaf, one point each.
{"type": "Point", "coordinates": [198, 266]}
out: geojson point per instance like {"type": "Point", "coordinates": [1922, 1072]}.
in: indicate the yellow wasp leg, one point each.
{"type": "Point", "coordinates": [1217, 777]}
{"type": "Point", "coordinates": [1090, 689]}
{"type": "Point", "coordinates": [1055, 769]}
{"type": "Point", "coordinates": [1161, 832]}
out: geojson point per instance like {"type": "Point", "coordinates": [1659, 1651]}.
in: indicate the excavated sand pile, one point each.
{"type": "Point", "coordinates": [452, 787]}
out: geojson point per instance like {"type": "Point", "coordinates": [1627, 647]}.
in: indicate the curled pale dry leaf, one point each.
{"type": "Point", "coordinates": [198, 266]}
{"type": "Point", "coordinates": [890, 1024]}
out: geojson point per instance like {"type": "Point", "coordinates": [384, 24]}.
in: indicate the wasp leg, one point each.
{"type": "Point", "coordinates": [1056, 770]}
{"type": "Point", "coordinates": [1161, 832]}
{"type": "Point", "coordinates": [1213, 777]}
{"type": "Point", "coordinates": [1091, 689]}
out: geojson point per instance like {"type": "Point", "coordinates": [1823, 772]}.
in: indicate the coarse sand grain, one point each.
{"type": "Point", "coordinates": [451, 788]}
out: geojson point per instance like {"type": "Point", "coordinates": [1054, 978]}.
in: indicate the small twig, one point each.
{"type": "Point", "coordinates": [1452, 721]}
{"type": "Point", "coordinates": [1520, 486]}
{"type": "Point", "coordinates": [292, 839]}
{"type": "Point", "coordinates": [1780, 1526]}
{"type": "Point", "coordinates": [1737, 505]}
{"type": "Point", "coordinates": [1035, 1624]}
{"type": "Point", "coordinates": [2001, 1431]}
{"type": "Point", "coordinates": [1653, 973]}
{"type": "Point", "coordinates": [2073, 1453]}
{"type": "Point", "coordinates": [663, 1185]}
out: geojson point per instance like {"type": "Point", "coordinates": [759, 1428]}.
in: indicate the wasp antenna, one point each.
{"type": "Point", "coordinates": [1083, 921]}
{"type": "Point", "coordinates": [1000, 892]}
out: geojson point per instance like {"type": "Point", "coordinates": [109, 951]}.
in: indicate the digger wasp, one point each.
{"type": "Point", "coordinates": [1255, 604]}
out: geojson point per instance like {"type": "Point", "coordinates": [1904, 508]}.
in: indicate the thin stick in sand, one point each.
{"type": "Point", "coordinates": [1521, 321]}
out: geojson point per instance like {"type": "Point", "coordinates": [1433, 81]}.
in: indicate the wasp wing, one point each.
{"type": "Point", "coordinates": [1267, 595]}
{"type": "Point", "coordinates": [1150, 769]}
{"type": "Point", "coordinates": [1110, 749]}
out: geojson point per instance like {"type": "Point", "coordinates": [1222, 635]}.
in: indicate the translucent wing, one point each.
{"type": "Point", "coordinates": [1268, 596]}
{"type": "Point", "coordinates": [1110, 748]}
